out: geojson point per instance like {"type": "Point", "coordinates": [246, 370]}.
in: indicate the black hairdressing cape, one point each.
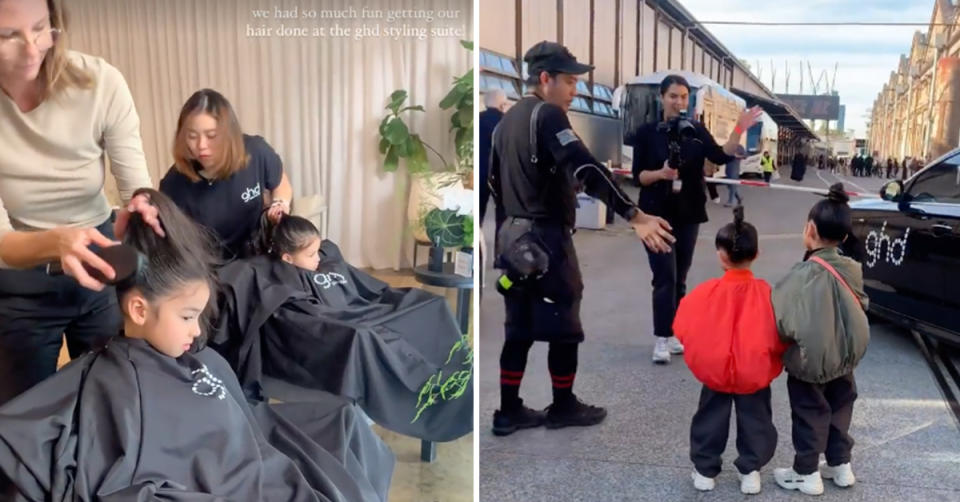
{"type": "Point", "coordinates": [127, 423]}
{"type": "Point", "coordinates": [397, 353]}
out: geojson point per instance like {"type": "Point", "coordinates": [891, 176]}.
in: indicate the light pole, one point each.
{"type": "Point", "coordinates": [938, 42]}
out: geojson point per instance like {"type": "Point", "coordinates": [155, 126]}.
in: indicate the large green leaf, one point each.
{"type": "Point", "coordinates": [391, 162]}
{"type": "Point", "coordinates": [396, 100]}
{"type": "Point", "coordinates": [467, 44]}
{"type": "Point", "coordinates": [384, 145]}
{"type": "Point", "coordinates": [383, 125]}
{"type": "Point", "coordinates": [417, 155]}
{"type": "Point", "coordinates": [397, 132]}
{"type": "Point", "coordinates": [468, 232]}
{"type": "Point", "coordinates": [465, 117]}
{"type": "Point", "coordinates": [451, 98]}
{"type": "Point", "coordinates": [444, 227]}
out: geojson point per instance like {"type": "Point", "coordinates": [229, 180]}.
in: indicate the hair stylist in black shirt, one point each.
{"type": "Point", "coordinates": [681, 204]}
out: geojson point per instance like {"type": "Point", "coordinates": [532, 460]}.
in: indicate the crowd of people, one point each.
{"type": "Point", "coordinates": [872, 166]}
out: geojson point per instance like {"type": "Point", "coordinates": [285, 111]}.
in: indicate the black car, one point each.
{"type": "Point", "coordinates": [909, 244]}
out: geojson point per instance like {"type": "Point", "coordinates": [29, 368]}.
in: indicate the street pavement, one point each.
{"type": "Point", "coordinates": [907, 442]}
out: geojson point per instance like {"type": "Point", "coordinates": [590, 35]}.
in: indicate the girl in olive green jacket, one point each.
{"type": "Point", "coordinates": [820, 309]}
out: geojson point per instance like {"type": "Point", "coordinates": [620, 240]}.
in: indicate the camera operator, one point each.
{"type": "Point", "coordinates": [536, 164]}
{"type": "Point", "coordinates": [668, 161]}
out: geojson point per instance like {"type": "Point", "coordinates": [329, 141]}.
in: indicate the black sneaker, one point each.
{"type": "Point", "coordinates": [577, 413]}
{"type": "Point", "coordinates": [510, 421]}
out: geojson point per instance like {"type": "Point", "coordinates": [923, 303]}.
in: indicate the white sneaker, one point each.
{"type": "Point", "coordinates": [811, 484]}
{"type": "Point", "coordinates": [674, 346]}
{"type": "Point", "coordinates": [750, 483]}
{"type": "Point", "coordinates": [702, 483]}
{"type": "Point", "coordinates": [661, 352]}
{"type": "Point", "coordinates": [842, 475]}
{"type": "Point", "coordinates": [716, 200]}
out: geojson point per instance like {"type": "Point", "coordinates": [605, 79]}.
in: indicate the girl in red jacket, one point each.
{"type": "Point", "coordinates": [728, 329]}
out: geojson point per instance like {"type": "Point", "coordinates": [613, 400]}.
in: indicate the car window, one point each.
{"type": "Point", "coordinates": [940, 183]}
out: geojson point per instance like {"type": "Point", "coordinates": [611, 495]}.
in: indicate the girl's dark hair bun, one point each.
{"type": "Point", "coordinates": [838, 194]}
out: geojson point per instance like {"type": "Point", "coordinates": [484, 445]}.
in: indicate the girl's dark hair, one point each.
{"type": "Point", "coordinates": [187, 253]}
{"type": "Point", "coordinates": [292, 234]}
{"type": "Point", "coordinates": [670, 80]}
{"type": "Point", "coordinates": [832, 216]}
{"type": "Point", "coordinates": [739, 239]}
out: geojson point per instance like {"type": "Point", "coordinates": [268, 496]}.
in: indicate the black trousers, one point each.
{"type": "Point", "coordinates": [766, 176]}
{"type": "Point", "coordinates": [36, 311]}
{"type": "Point", "coordinates": [670, 277]}
{"type": "Point", "coordinates": [821, 418]}
{"type": "Point", "coordinates": [712, 190]}
{"type": "Point", "coordinates": [756, 435]}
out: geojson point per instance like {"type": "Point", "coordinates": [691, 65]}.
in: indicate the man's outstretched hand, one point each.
{"type": "Point", "coordinates": [653, 231]}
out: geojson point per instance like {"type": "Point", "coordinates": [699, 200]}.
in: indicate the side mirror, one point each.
{"type": "Point", "coordinates": [892, 191]}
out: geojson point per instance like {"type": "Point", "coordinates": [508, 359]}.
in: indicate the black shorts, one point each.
{"type": "Point", "coordinates": [548, 309]}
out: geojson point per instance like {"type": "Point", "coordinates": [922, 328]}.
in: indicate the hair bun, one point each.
{"type": "Point", "coordinates": [838, 194]}
{"type": "Point", "coordinates": [738, 216]}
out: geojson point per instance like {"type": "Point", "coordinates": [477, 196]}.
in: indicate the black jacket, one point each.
{"type": "Point", "coordinates": [650, 151]}
{"type": "Point", "coordinates": [538, 162]}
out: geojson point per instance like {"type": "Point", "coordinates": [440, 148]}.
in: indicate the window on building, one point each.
{"type": "Point", "coordinates": [602, 93]}
{"type": "Point", "coordinates": [601, 108]}
{"type": "Point", "coordinates": [583, 89]}
{"type": "Point", "coordinates": [498, 64]}
{"type": "Point", "coordinates": [489, 82]}
{"type": "Point", "coordinates": [579, 104]}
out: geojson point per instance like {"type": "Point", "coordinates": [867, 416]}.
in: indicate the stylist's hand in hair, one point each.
{"type": "Point", "coordinates": [653, 231]}
{"type": "Point", "coordinates": [73, 248]}
{"type": "Point", "coordinates": [139, 204]}
{"type": "Point", "coordinates": [278, 208]}
{"type": "Point", "coordinates": [748, 118]}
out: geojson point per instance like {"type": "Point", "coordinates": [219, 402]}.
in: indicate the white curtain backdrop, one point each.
{"type": "Point", "coordinates": [317, 101]}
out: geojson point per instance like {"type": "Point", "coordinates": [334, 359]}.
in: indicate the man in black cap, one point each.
{"type": "Point", "coordinates": [537, 164]}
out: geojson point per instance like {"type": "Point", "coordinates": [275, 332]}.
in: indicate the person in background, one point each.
{"type": "Point", "coordinates": [496, 103]}
{"type": "Point", "coordinates": [676, 193]}
{"type": "Point", "coordinates": [733, 173]}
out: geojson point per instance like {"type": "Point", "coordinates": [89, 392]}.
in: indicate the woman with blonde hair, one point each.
{"type": "Point", "coordinates": [223, 178]}
{"type": "Point", "coordinates": [62, 113]}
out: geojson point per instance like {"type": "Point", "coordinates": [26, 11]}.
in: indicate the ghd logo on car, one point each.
{"type": "Point", "coordinates": [896, 249]}
{"type": "Point", "coordinates": [251, 193]}
{"type": "Point", "coordinates": [327, 281]}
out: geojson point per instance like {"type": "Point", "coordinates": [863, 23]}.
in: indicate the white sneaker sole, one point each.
{"type": "Point", "coordinates": [801, 488]}
{"type": "Point", "coordinates": [661, 360]}
{"type": "Point", "coordinates": [826, 472]}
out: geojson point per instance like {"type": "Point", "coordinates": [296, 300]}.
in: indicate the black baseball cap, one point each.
{"type": "Point", "coordinates": [553, 57]}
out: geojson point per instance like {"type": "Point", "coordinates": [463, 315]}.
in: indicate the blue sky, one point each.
{"type": "Point", "coordinates": [866, 55]}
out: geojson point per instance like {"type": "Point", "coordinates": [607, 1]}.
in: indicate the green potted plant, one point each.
{"type": "Point", "coordinates": [446, 228]}
{"type": "Point", "coordinates": [398, 143]}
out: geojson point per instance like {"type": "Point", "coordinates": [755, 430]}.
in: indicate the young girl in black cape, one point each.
{"type": "Point", "coordinates": [156, 415]}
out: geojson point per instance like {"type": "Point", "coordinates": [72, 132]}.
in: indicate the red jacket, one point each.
{"type": "Point", "coordinates": [729, 333]}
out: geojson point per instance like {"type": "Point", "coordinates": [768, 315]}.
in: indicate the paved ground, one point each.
{"type": "Point", "coordinates": [908, 445]}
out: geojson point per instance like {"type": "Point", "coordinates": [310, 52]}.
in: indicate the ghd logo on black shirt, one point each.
{"type": "Point", "coordinates": [251, 193]}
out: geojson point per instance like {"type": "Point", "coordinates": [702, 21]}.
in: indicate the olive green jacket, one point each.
{"type": "Point", "coordinates": [826, 329]}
